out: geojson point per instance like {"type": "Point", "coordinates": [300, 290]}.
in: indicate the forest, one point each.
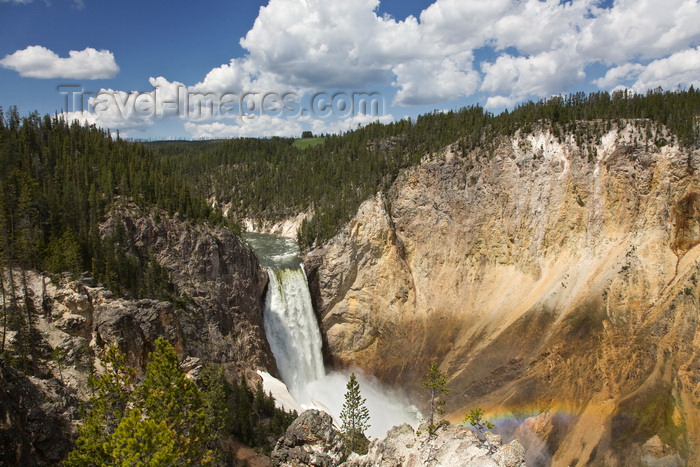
{"type": "Point", "coordinates": [59, 180]}
{"type": "Point", "coordinates": [271, 179]}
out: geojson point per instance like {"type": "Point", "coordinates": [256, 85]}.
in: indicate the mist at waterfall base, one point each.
{"type": "Point", "coordinates": [295, 340]}
{"type": "Point", "coordinates": [387, 407]}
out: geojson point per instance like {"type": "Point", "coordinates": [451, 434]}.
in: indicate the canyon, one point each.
{"type": "Point", "coordinates": [556, 285]}
{"type": "Point", "coordinates": [218, 319]}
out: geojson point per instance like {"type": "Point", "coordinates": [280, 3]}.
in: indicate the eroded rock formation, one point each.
{"type": "Point", "coordinates": [218, 319]}
{"type": "Point", "coordinates": [311, 440]}
{"type": "Point", "coordinates": [450, 445]}
{"type": "Point", "coordinates": [222, 320]}
{"type": "Point", "coordinates": [544, 279]}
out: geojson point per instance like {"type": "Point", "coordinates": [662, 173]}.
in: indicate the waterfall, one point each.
{"type": "Point", "coordinates": [291, 328]}
{"type": "Point", "coordinates": [295, 340]}
{"type": "Point", "coordinates": [289, 320]}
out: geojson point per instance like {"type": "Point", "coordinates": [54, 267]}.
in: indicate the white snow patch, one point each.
{"type": "Point", "coordinates": [283, 399]}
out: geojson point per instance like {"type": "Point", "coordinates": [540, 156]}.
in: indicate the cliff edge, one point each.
{"type": "Point", "coordinates": [556, 284]}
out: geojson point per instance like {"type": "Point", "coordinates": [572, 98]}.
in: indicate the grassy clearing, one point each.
{"type": "Point", "coordinates": [304, 143]}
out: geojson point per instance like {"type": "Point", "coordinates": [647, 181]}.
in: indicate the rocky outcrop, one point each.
{"type": "Point", "coordinates": [450, 445]}
{"type": "Point", "coordinates": [34, 429]}
{"type": "Point", "coordinates": [217, 319]}
{"type": "Point", "coordinates": [285, 228]}
{"type": "Point", "coordinates": [544, 278]}
{"type": "Point", "coordinates": [221, 319]}
{"type": "Point", "coordinates": [310, 440]}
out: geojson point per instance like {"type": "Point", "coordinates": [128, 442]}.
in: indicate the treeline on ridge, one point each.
{"type": "Point", "coordinates": [57, 184]}
{"type": "Point", "coordinates": [60, 179]}
{"type": "Point", "coordinates": [271, 179]}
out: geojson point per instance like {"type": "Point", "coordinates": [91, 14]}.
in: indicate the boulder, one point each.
{"type": "Point", "coordinates": [450, 445]}
{"type": "Point", "coordinates": [310, 440]}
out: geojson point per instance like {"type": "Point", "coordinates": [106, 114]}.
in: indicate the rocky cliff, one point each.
{"type": "Point", "coordinates": [219, 280]}
{"type": "Point", "coordinates": [218, 319]}
{"type": "Point", "coordinates": [35, 416]}
{"type": "Point", "coordinates": [311, 440]}
{"type": "Point", "coordinates": [552, 282]}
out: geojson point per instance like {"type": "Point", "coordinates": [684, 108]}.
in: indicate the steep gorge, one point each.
{"type": "Point", "coordinates": [552, 282]}
{"type": "Point", "coordinates": [217, 317]}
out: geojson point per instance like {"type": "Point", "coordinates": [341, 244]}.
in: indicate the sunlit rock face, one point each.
{"type": "Point", "coordinates": [311, 440]}
{"type": "Point", "coordinates": [544, 278]}
{"type": "Point", "coordinates": [220, 280]}
{"type": "Point", "coordinates": [449, 445]}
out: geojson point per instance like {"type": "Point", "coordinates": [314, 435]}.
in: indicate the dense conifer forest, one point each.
{"type": "Point", "coordinates": [59, 179]}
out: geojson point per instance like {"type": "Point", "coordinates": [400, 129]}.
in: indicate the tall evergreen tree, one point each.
{"type": "Point", "coordinates": [167, 396]}
{"type": "Point", "coordinates": [355, 417]}
{"type": "Point", "coordinates": [436, 383]}
{"type": "Point", "coordinates": [106, 408]}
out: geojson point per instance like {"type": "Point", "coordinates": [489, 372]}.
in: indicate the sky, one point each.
{"type": "Point", "coordinates": [206, 69]}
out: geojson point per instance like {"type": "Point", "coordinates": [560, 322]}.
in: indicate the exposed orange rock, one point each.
{"type": "Point", "coordinates": [540, 279]}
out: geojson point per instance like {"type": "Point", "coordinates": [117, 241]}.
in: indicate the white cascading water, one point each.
{"type": "Point", "coordinates": [295, 340]}
{"type": "Point", "coordinates": [291, 329]}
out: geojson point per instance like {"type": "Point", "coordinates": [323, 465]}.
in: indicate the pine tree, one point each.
{"type": "Point", "coordinates": [355, 418]}
{"type": "Point", "coordinates": [142, 442]}
{"type": "Point", "coordinates": [167, 396]}
{"type": "Point", "coordinates": [475, 419]}
{"type": "Point", "coordinates": [436, 383]}
{"type": "Point", "coordinates": [110, 395]}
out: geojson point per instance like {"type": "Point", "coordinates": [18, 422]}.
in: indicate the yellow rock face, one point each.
{"type": "Point", "coordinates": [542, 280]}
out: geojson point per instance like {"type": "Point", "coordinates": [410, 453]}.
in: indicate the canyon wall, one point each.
{"type": "Point", "coordinates": [218, 279]}
{"type": "Point", "coordinates": [217, 318]}
{"type": "Point", "coordinates": [554, 283]}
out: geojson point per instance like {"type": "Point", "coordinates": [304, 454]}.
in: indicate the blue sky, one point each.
{"type": "Point", "coordinates": [416, 56]}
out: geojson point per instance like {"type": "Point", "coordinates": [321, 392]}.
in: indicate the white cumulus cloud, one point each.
{"type": "Point", "coordinates": [328, 43]}
{"type": "Point", "coordinates": [617, 75]}
{"type": "Point", "coordinates": [504, 51]}
{"type": "Point", "coordinates": [425, 81]}
{"type": "Point", "coordinates": [539, 47]}
{"type": "Point", "coordinates": [680, 69]}
{"type": "Point", "coordinates": [645, 29]}
{"type": "Point", "coordinates": [543, 74]}
{"type": "Point", "coordinates": [39, 62]}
